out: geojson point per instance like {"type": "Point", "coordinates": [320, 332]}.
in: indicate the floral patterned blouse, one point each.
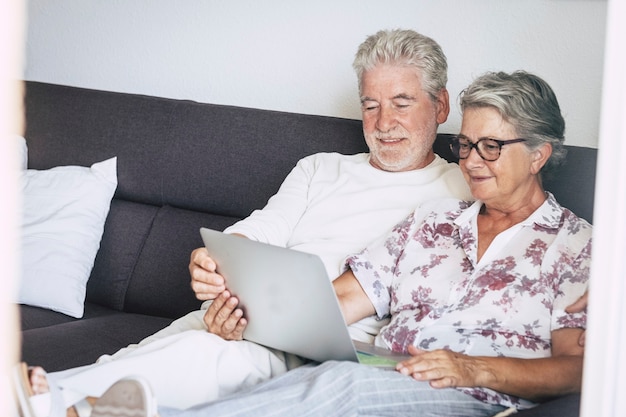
{"type": "Point", "coordinates": [427, 277]}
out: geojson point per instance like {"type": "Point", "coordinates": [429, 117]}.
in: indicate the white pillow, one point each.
{"type": "Point", "coordinates": [64, 210]}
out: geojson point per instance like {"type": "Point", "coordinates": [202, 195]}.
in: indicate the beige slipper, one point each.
{"type": "Point", "coordinates": [128, 397]}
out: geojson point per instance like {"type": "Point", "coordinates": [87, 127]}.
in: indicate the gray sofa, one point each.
{"type": "Point", "coordinates": [183, 165]}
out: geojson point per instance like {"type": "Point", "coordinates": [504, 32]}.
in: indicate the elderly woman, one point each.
{"type": "Point", "coordinates": [476, 292]}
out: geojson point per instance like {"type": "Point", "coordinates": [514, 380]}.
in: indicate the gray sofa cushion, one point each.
{"type": "Point", "coordinates": [566, 406]}
{"type": "Point", "coordinates": [81, 342]}
{"type": "Point", "coordinates": [161, 282]}
{"type": "Point", "coordinates": [116, 261]}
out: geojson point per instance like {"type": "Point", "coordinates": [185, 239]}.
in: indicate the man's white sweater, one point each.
{"type": "Point", "coordinates": [334, 205]}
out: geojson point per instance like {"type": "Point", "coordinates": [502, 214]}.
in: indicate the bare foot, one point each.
{"type": "Point", "coordinates": [38, 380]}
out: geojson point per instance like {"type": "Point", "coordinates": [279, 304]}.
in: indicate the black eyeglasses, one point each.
{"type": "Point", "coordinates": [488, 148]}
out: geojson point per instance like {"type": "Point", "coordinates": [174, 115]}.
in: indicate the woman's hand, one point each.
{"type": "Point", "coordinates": [579, 306]}
{"type": "Point", "coordinates": [534, 379]}
{"type": "Point", "coordinates": [443, 368]}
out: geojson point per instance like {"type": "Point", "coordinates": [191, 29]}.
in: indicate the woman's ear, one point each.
{"type": "Point", "coordinates": [539, 157]}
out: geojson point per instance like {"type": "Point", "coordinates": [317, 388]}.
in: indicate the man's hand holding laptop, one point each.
{"type": "Point", "coordinates": [222, 318]}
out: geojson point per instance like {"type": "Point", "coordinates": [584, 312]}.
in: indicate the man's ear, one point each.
{"type": "Point", "coordinates": [539, 157]}
{"type": "Point", "coordinates": [443, 106]}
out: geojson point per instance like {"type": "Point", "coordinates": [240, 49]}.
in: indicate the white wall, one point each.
{"type": "Point", "coordinates": [296, 56]}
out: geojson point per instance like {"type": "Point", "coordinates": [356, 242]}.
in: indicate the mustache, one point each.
{"type": "Point", "coordinates": [396, 134]}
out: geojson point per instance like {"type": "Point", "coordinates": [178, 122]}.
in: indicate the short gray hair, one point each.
{"type": "Point", "coordinates": [404, 47]}
{"type": "Point", "coordinates": [525, 101]}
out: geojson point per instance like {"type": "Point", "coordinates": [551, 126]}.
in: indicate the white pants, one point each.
{"type": "Point", "coordinates": [184, 363]}
{"type": "Point", "coordinates": [191, 321]}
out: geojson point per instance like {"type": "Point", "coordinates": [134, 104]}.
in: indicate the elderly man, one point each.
{"type": "Point", "coordinates": [332, 204]}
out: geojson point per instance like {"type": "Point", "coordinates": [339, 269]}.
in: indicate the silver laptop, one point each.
{"type": "Point", "coordinates": [289, 301]}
